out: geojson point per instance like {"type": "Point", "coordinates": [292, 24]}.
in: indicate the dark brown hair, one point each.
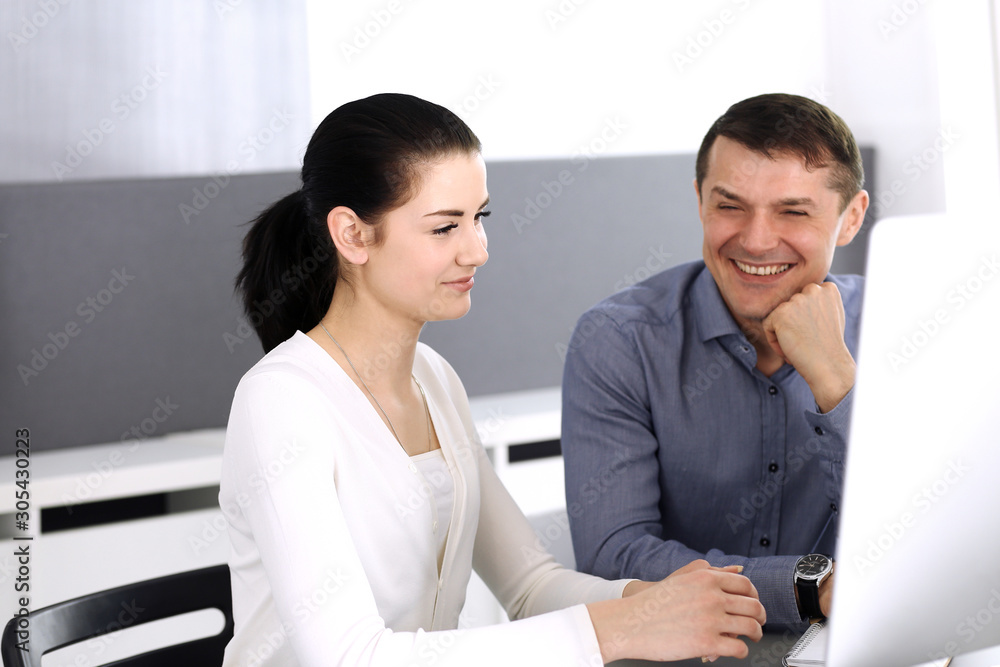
{"type": "Point", "coordinates": [777, 124]}
{"type": "Point", "coordinates": [366, 155]}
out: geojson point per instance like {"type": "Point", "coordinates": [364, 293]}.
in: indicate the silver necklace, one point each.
{"type": "Point", "coordinates": [423, 396]}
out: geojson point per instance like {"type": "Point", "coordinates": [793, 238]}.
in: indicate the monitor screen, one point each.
{"type": "Point", "coordinates": [918, 560]}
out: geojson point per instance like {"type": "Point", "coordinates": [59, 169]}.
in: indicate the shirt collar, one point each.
{"type": "Point", "coordinates": [710, 311]}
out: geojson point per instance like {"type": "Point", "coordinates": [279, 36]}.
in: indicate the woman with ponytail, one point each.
{"type": "Point", "coordinates": [358, 495]}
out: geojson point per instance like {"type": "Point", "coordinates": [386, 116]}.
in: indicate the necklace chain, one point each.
{"type": "Point", "coordinates": [423, 396]}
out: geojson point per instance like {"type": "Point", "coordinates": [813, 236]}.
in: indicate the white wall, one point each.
{"type": "Point", "coordinates": [969, 102]}
{"type": "Point", "coordinates": [883, 81]}
{"type": "Point", "coordinates": [543, 79]}
{"type": "Point", "coordinates": [120, 89]}
{"type": "Point", "coordinates": [534, 78]}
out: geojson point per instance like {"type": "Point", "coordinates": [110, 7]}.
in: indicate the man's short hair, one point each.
{"type": "Point", "coordinates": [779, 124]}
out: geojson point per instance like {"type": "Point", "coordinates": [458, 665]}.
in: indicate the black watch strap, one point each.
{"type": "Point", "coordinates": [809, 599]}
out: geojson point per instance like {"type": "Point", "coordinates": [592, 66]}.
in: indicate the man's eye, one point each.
{"type": "Point", "coordinates": [796, 213]}
{"type": "Point", "coordinates": [442, 231]}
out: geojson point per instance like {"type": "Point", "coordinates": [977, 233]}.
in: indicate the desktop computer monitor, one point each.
{"type": "Point", "coordinates": [917, 573]}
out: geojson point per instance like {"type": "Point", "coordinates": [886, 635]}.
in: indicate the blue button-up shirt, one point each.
{"type": "Point", "coordinates": [676, 447]}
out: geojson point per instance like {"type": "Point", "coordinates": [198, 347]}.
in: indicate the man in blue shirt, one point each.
{"type": "Point", "coordinates": [706, 409]}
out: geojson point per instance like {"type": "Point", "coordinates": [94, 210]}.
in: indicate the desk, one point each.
{"type": "Point", "coordinates": [769, 651]}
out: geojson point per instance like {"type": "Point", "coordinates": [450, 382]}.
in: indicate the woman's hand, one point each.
{"type": "Point", "coordinates": [696, 611]}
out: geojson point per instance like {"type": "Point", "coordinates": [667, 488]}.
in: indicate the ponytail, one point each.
{"type": "Point", "coordinates": [288, 272]}
{"type": "Point", "coordinates": [366, 155]}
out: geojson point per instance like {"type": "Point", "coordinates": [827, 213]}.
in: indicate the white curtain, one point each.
{"type": "Point", "coordinates": [123, 89]}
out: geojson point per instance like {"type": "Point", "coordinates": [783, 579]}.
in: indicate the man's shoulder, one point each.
{"type": "Point", "coordinates": [654, 300]}
{"type": "Point", "coordinates": [852, 291]}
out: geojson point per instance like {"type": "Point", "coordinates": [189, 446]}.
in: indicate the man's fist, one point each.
{"type": "Point", "coordinates": [807, 331]}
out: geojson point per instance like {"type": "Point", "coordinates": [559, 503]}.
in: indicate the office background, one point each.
{"type": "Point", "coordinates": [135, 138]}
{"type": "Point", "coordinates": [216, 91]}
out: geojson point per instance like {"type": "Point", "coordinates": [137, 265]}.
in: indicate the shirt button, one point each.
{"type": "Point", "coordinates": [818, 430]}
{"type": "Point", "coordinates": [434, 526]}
{"type": "Point", "coordinates": [412, 468]}
{"type": "Point", "coordinates": [772, 390]}
{"type": "Point", "coordinates": [773, 467]}
{"type": "Point", "coordinates": [833, 506]}
{"type": "Point", "coordinates": [764, 542]}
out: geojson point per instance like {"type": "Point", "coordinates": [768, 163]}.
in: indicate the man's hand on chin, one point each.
{"type": "Point", "coordinates": [807, 331]}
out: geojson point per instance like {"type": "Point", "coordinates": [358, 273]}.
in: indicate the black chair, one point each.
{"type": "Point", "coordinates": [96, 614]}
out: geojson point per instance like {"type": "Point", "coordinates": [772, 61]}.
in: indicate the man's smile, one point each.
{"type": "Point", "coordinates": [761, 270]}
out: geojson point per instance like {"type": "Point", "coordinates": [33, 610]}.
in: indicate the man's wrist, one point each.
{"type": "Point", "coordinates": [829, 393]}
{"type": "Point", "coordinates": [811, 572]}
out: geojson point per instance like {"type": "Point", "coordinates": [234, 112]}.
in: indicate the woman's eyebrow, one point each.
{"type": "Point", "coordinates": [454, 212]}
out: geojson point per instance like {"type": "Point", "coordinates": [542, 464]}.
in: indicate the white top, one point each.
{"type": "Point", "coordinates": [334, 560]}
{"type": "Point", "coordinates": [440, 492]}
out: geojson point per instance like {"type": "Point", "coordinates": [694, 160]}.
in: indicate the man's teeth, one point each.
{"type": "Point", "coordinates": [762, 270]}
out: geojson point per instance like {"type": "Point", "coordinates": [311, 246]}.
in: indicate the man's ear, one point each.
{"type": "Point", "coordinates": [853, 218]}
{"type": "Point", "coordinates": [350, 234]}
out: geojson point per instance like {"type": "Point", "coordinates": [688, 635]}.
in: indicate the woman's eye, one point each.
{"type": "Point", "coordinates": [441, 231]}
{"type": "Point", "coordinates": [481, 215]}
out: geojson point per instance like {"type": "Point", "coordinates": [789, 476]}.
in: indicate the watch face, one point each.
{"type": "Point", "coordinates": [812, 566]}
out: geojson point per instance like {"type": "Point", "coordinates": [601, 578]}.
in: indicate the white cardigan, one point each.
{"type": "Point", "coordinates": [333, 551]}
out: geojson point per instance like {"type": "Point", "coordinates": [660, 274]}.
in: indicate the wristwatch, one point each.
{"type": "Point", "coordinates": [810, 571]}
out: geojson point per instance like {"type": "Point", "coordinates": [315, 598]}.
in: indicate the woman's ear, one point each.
{"type": "Point", "coordinates": [350, 234]}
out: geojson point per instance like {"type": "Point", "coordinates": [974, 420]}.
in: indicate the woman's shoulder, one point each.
{"type": "Point", "coordinates": [428, 362]}
{"type": "Point", "coordinates": [297, 362]}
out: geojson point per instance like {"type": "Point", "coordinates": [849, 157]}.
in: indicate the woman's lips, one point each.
{"type": "Point", "coordinates": [463, 284]}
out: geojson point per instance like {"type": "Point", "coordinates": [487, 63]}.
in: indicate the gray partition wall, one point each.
{"type": "Point", "coordinates": [119, 318]}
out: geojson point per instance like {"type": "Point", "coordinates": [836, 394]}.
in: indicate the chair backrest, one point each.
{"type": "Point", "coordinates": [93, 615]}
